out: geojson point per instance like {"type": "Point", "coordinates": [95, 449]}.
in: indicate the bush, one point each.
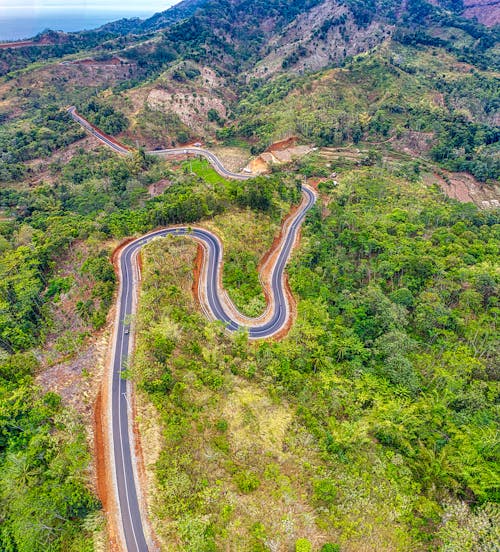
{"type": "Point", "coordinates": [246, 482]}
{"type": "Point", "coordinates": [329, 547]}
{"type": "Point", "coordinates": [303, 545]}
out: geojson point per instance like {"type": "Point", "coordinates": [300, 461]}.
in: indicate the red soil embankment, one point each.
{"type": "Point", "coordinates": [22, 44]}
{"type": "Point", "coordinates": [283, 144]}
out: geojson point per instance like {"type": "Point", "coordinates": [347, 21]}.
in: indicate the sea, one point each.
{"type": "Point", "coordinates": [26, 25]}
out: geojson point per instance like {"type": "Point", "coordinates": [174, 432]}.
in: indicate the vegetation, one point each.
{"type": "Point", "coordinates": [105, 117]}
{"type": "Point", "coordinates": [387, 375]}
{"type": "Point", "coordinates": [45, 503]}
{"type": "Point", "coordinates": [374, 420]}
{"type": "Point", "coordinates": [379, 97]}
{"type": "Point", "coordinates": [48, 131]}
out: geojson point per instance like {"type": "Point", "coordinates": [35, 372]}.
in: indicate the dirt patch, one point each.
{"type": "Point", "coordinates": [99, 452]}
{"type": "Point", "coordinates": [232, 158]}
{"type": "Point", "coordinates": [414, 143]}
{"type": "Point", "coordinates": [104, 476]}
{"type": "Point", "coordinates": [197, 270]}
{"type": "Point", "coordinates": [465, 188]}
{"type": "Point", "coordinates": [113, 62]}
{"type": "Point", "coordinates": [21, 44]}
{"type": "Point", "coordinates": [191, 108]}
{"type": "Point", "coordinates": [258, 165]}
{"type": "Point", "coordinates": [278, 153]}
{"type": "Point", "coordinates": [159, 187]}
{"type": "Point", "coordinates": [283, 144]}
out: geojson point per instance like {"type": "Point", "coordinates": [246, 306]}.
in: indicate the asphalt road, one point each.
{"type": "Point", "coordinates": [116, 146]}
{"type": "Point", "coordinates": [123, 453]}
{"type": "Point", "coordinates": [96, 132]}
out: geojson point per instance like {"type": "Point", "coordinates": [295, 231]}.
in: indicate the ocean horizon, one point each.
{"type": "Point", "coordinates": [18, 26]}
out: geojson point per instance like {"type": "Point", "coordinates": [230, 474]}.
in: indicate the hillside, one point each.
{"type": "Point", "coordinates": [298, 35]}
{"type": "Point", "coordinates": [485, 11]}
{"type": "Point", "coordinates": [371, 423]}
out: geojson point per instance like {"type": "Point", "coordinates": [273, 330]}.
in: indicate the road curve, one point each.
{"type": "Point", "coordinates": [133, 530]}
{"type": "Point", "coordinates": [216, 305]}
{"type": "Point", "coordinates": [124, 150]}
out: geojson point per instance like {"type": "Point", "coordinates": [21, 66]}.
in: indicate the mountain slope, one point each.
{"type": "Point", "coordinates": [485, 11]}
{"type": "Point", "coordinates": [300, 36]}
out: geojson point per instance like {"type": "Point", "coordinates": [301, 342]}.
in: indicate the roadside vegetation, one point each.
{"type": "Point", "coordinates": [374, 417]}
{"type": "Point", "coordinates": [45, 501]}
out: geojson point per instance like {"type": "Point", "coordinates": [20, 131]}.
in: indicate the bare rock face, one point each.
{"type": "Point", "coordinates": [486, 12]}
{"type": "Point", "coordinates": [323, 35]}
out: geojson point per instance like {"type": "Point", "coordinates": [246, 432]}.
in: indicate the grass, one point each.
{"type": "Point", "coordinates": [202, 168]}
{"type": "Point", "coordinates": [255, 421]}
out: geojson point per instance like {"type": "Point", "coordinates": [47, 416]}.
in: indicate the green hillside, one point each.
{"type": "Point", "coordinates": [373, 423]}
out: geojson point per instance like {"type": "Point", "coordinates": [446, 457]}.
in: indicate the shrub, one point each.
{"type": "Point", "coordinates": [303, 545]}
{"type": "Point", "coordinates": [329, 547]}
{"type": "Point", "coordinates": [246, 482]}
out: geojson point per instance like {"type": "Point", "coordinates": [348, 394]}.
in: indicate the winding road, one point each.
{"type": "Point", "coordinates": [172, 152]}
{"type": "Point", "coordinates": [216, 305]}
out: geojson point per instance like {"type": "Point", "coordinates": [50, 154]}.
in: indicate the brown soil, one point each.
{"type": "Point", "coordinates": [22, 44]}
{"type": "Point", "coordinates": [101, 452]}
{"type": "Point", "coordinates": [283, 144]}
{"type": "Point", "coordinates": [45, 41]}
{"type": "Point", "coordinates": [258, 165]}
{"type": "Point", "coordinates": [96, 63]}
{"type": "Point", "coordinates": [159, 187]}
{"type": "Point", "coordinates": [464, 187]}
{"type": "Point", "coordinates": [198, 264]}
{"type": "Point", "coordinates": [278, 153]}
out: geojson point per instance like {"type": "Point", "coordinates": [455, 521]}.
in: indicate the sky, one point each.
{"type": "Point", "coordinates": [8, 7]}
